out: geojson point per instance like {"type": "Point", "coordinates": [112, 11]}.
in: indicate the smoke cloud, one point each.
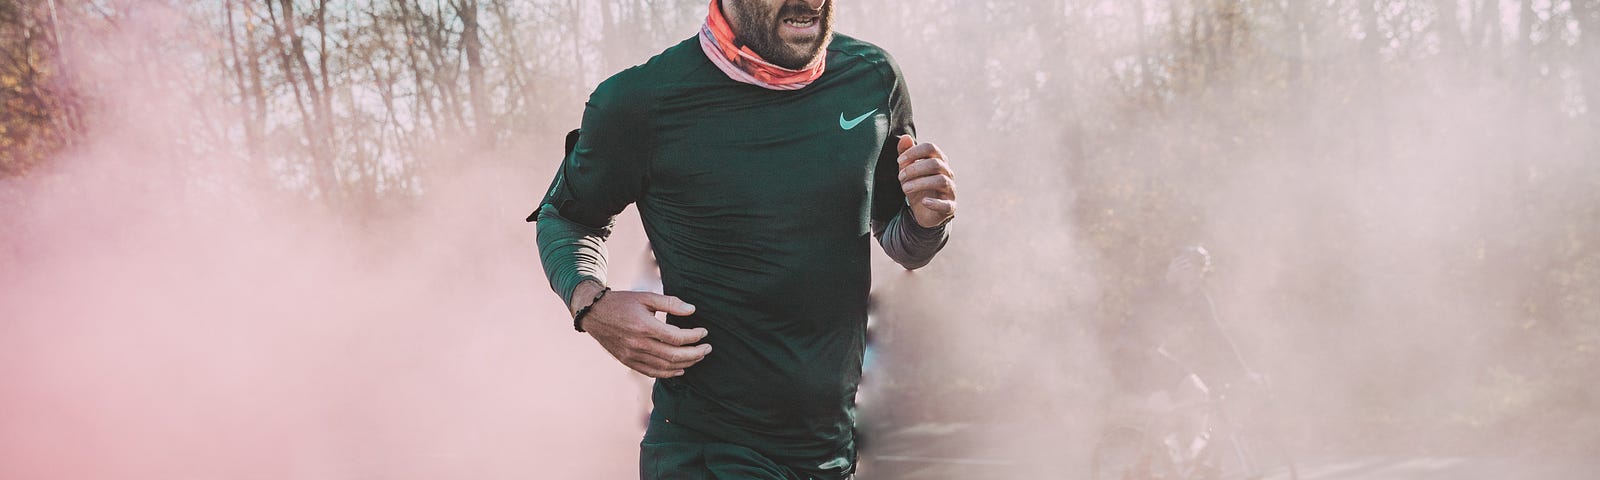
{"type": "Point", "coordinates": [168, 312]}
{"type": "Point", "coordinates": [1402, 223]}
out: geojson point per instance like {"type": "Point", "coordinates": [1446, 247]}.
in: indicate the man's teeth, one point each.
{"type": "Point", "coordinates": [800, 23]}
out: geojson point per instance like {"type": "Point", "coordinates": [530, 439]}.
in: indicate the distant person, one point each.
{"type": "Point", "coordinates": [760, 153]}
{"type": "Point", "coordinates": [1173, 351]}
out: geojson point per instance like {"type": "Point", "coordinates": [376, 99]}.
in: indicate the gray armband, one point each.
{"type": "Point", "coordinates": [570, 252]}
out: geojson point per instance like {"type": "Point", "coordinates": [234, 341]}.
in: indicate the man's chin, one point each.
{"type": "Point", "coordinates": [795, 63]}
{"type": "Point", "coordinates": [803, 53]}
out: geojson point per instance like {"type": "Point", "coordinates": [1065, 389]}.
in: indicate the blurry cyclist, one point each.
{"type": "Point", "coordinates": [1172, 353]}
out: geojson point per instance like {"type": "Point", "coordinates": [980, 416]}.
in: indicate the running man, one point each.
{"type": "Point", "coordinates": [760, 154]}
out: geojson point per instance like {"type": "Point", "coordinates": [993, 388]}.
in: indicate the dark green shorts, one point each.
{"type": "Point", "coordinates": [673, 452]}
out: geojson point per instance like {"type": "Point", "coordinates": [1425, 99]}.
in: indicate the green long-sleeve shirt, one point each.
{"type": "Point", "coordinates": [758, 204]}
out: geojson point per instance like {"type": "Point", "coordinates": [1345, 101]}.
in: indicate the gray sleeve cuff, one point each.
{"type": "Point", "coordinates": [908, 244]}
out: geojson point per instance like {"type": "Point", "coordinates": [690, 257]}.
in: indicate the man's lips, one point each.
{"type": "Point", "coordinates": [801, 21]}
{"type": "Point", "coordinates": [801, 26]}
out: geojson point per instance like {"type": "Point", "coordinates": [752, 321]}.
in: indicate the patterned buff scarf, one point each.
{"type": "Point", "coordinates": [744, 65]}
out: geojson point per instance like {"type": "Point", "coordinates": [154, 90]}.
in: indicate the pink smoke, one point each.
{"type": "Point", "coordinates": [165, 313]}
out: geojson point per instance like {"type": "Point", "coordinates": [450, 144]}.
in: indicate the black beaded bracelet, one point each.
{"type": "Point", "coordinates": [577, 320]}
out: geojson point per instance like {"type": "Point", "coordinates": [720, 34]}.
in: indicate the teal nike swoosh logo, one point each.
{"type": "Point", "coordinates": [849, 124]}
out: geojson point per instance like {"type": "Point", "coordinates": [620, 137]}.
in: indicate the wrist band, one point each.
{"type": "Point", "coordinates": [577, 319]}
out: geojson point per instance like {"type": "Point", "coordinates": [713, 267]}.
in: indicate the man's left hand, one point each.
{"type": "Point", "coordinates": [929, 184]}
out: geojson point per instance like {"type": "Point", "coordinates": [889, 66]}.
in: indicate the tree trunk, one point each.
{"type": "Point", "coordinates": [252, 132]}
{"type": "Point", "coordinates": [482, 119]}
{"type": "Point", "coordinates": [322, 60]}
{"type": "Point", "coordinates": [445, 76]}
{"type": "Point", "coordinates": [1525, 39]}
{"type": "Point", "coordinates": [517, 91]}
{"type": "Point", "coordinates": [292, 54]}
{"type": "Point", "coordinates": [253, 55]}
{"type": "Point", "coordinates": [1449, 26]}
{"type": "Point", "coordinates": [1588, 13]}
{"type": "Point", "coordinates": [1373, 131]}
{"type": "Point", "coordinates": [424, 93]}
{"type": "Point", "coordinates": [577, 37]}
{"type": "Point", "coordinates": [1295, 29]}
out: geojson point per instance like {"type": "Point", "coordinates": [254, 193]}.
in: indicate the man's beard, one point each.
{"type": "Point", "coordinates": [758, 26]}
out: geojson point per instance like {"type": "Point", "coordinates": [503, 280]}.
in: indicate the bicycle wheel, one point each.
{"type": "Point", "coordinates": [1252, 455]}
{"type": "Point", "coordinates": [1122, 453]}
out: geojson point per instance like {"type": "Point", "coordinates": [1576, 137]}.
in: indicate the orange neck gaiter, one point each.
{"type": "Point", "coordinates": [744, 65]}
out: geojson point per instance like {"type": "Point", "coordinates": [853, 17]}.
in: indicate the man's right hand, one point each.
{"type": "Point", "coordinates": [625, 324]}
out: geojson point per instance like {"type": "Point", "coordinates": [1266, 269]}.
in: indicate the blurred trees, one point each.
{"type": "Point", "coordinates": [353, 91]}
{"type": "Point", "coordinates": [39, 112]}
{"type": "Point", "coordinates": [342, 99]}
